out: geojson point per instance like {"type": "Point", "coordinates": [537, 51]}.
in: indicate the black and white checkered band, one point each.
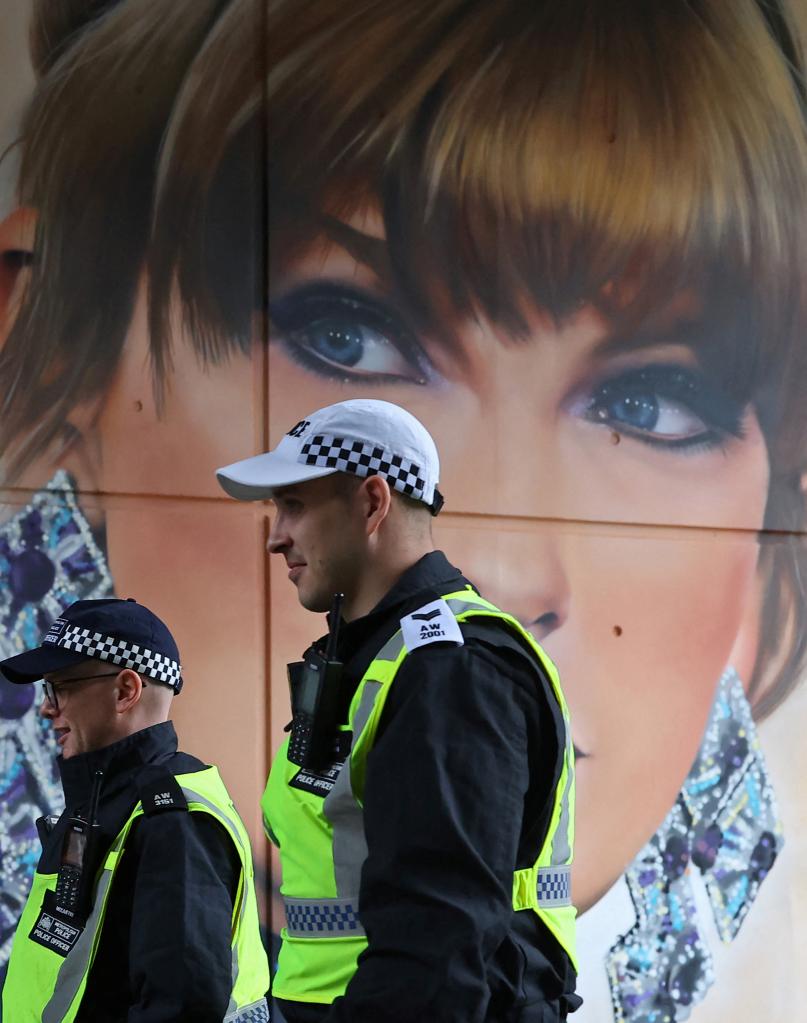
{"type": "Point", "coordinates": [345, 454]}
{"type": "Point", "coordinates": [127, 655]}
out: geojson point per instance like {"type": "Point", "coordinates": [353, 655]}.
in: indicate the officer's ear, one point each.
{"type": "Point", "coordinates": [17, 233]}
{"type": "Point", "coordinates": [376, 499]}
{"type": "Point", "coordinates": [129, 688]}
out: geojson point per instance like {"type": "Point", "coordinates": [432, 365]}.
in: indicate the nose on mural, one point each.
{"type": "Point", "coordinates": [523, 574]}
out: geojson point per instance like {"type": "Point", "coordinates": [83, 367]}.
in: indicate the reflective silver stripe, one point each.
{"type": "Point", "coordinates": [345, 814]}
{"type": "Point", "coordinates": [459, 606]}
{"type": "Point", "coordinates": [554, 887]}
{"type": "Point", "coordinates": [256, 1012]}
{"type": "Point", "coordinates": [232, 1005]}
{"type": "Point", "coordinates": [391, 650]}
{"type": "Point", "coordinates": [340, 806]}
{"type": "Point", "coordinates": [322, 918]}
{"type": "Point", "coordinates": [195, 797]}
{"type": "Point", "coordinates": [76, 965]}
{"type": "Point", "coordinates": [561, 850]}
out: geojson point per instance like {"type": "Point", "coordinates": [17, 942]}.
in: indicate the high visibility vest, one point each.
{"type": "Point", "coordinates": [43, 985]}
{"type": "Point", "coordinates": [322, 841]}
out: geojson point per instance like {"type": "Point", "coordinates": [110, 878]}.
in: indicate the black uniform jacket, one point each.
{"type": "Point", "coordinates": [164, 951]}
{"type": "Point", "coordinates": [458, 795]}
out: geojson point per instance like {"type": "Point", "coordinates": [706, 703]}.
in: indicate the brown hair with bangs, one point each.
{"type": "Point", "coordinates": [112, 74]}
{"type": "Point", "coordinates": [522, 153]}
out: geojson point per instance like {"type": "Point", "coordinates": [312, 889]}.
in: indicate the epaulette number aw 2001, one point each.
{"type": "Point", "coordinates": [432, 623]}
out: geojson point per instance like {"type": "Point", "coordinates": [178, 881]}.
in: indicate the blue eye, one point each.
{"type": "Point", "coordinates": [638, 411]}
{"type": "Point", "coordinates": [346, 335]}
{"type": "Point", "coordinates": [338, 343]}
{"type": "Point", "coordinates": [669, 406]}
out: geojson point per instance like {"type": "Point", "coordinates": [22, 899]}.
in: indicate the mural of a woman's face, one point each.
{"type": "Point", "coordinates": [569, 433]}
{"type": "Point", "coordinates": [602, 483]}
{"type": "Point", "coordinates": [579, 428]}
{"type": "Point", "coordinates": [550, 445]}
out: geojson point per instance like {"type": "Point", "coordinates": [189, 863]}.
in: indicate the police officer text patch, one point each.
{"type": "Point", "coordinates": [432, 623]}
{"type": "Point", "coordinates": [318, 783]}
{"type": "Point", "coordinates": [53, 933]}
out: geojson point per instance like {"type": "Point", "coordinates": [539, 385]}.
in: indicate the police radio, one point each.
{"type": "Point", "coordinates": [315, 704]}
{"type": "Point", "coordinates": [75, 877]}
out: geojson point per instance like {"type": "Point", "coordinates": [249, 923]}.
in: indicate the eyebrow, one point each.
{"type": "Point", "coordinates": [684, 329]}
{"type": "Point", "coordinates": [366, 249]}
{"type": "Point", "coordinates": [282, 493]}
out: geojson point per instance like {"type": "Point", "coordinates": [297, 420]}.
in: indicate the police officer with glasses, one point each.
{"type": "Point", "coordinates": [143, 906]}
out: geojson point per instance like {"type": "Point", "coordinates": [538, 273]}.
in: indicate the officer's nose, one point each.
{"type": "Point", "coordinates": [521, 571]}
{"type": "Point", "coordinates": [279, 539]}
{"type": "Point", "coordinates": [46, 708]}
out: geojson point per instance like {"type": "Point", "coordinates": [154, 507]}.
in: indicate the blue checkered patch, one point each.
{"type": "Point", "coordinates": [258, 1012]}
{"type": "Point", "coordinates": [322, 918]}
{"type": "Point", "coordinates": [554, 886]}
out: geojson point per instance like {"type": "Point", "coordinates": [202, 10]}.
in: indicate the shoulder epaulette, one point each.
{"type": "Point", "coordinates": [432, 623]}
{"type": "Point", "coordinates": [160, 791]}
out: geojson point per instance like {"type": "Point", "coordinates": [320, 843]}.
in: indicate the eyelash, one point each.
{"type": "Point", "coordinates": [722, 415]}
{"type": "Point", "coordinates": [302, 310]}
{"type": "Point", "coordinates": [347, 313]}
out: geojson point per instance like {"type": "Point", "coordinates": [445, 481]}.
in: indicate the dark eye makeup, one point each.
{"type": "Point", "coordinates": [347, 335]}
{"type": "Point", "coordinates": [668, 405]}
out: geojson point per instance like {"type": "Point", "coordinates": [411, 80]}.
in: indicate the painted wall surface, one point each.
{"type": "Point", "coordinates": [570, 239]}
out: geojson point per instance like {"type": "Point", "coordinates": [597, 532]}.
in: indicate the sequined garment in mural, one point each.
{"type": "Point", "coordinates": [725, 825]}
{"type": "Point", "coordinates": [48, 559]}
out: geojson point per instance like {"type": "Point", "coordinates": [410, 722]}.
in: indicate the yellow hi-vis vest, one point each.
{"type": "Point", "coordinates": [43, 985]}
{"type": "Point", "coordinates": [322, 841]}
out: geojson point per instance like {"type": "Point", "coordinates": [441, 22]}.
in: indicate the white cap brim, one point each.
{"type": "Point", "coordinates": [363, 436]}
{"type": "Point", "coordinates": [257, 478]}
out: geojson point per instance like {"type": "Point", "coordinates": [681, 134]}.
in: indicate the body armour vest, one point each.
{"type": "Point", "coordinates": [50, 961]}
{"type": "Point", "coordinates": [321, 838]}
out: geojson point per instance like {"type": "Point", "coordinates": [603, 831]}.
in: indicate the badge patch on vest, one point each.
{"type": "Point", "coordinates": [320, 783]}
{"type": "Point", "coordinates": [432, 623]}
{"type": "Point", "coordinates": [54, 933]}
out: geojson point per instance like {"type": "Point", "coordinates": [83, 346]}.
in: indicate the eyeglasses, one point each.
{"type": "Point", "coordinates": [50, 690]}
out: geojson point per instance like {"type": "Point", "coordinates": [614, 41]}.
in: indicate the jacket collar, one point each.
{"type": "Point", "coordinates": [429, 578]}
{"type": "Point", "coordinates": [118, 762]}
{"type": "Point", "coordinates": [433, 572]}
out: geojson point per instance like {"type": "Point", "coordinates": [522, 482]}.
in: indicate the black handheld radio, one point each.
{"type": "Point", "coordinates": [76, 871]}
{"type": "Point", "coordinates": [314, 688]}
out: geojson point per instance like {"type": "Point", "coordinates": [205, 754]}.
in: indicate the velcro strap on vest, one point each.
{"type": "Point", "coordinates": [554, 887]}
{"type": "Point", "coordinates": [322, 918]}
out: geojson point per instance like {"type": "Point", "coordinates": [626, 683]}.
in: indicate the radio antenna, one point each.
{"type": "Point", "coordinates": [334, 620]}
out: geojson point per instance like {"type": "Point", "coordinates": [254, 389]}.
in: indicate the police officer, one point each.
{"type": "Point", "coordinates": [143, 906]}
{"type": "Point", "coordinates": [423, 803]}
